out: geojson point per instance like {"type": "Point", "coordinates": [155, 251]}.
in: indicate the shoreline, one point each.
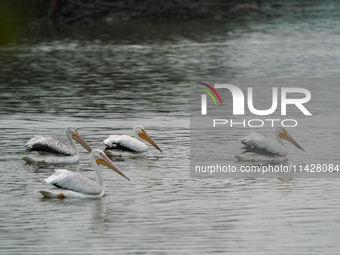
{"type": "Point", "coordinates": [113, 12]}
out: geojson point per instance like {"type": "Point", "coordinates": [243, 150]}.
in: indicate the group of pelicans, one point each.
{"type": "Point", "coordinates": [73, 184]}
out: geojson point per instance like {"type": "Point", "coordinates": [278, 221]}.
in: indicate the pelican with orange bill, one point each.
{"type": "Point", "coordinates": [260, 148]}
{"type": "Point", "coordinates": [125, 143]}
{"type": "Point", "coordinates": [53, 150]}
{"type": "Point", "coordinates": [73, 184]}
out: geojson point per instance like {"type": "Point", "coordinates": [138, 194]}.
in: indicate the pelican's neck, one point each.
{"type": "Point", "coordinates": [278, 138]}
{"type": "Point", "coordinates": [72, 143]}
{"type": "Point", "coordinates": [135, 132]}
{"type": "Point", "coordinates": [98, 173]}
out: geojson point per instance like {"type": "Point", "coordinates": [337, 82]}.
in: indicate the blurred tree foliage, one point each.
{"type": "Point", "coordinates": [70, 11]}
{"type": "Point", "coordinates": [18, 15]}
{"type": "Point", "coordinates": [14, 17]}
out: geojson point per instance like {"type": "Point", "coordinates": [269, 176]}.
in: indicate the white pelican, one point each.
{"type": "Point", "coordinates": [73, 184]}
{"type": "Point", "coordinates": [53, 150]}
{"type": "Point", "coordinates": [262, 148]}
{"type": "Point", "coordinates": [123, 143]}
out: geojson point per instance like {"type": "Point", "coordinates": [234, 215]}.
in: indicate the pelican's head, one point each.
{"type": "Point", "coordinates": [283, 134]}
{"type": "Point", "coordinates": [73, 133]}
{"type": "Point", "coordinates": [139, 131]}
{"type": "Point", "coordinates": [100, 158]}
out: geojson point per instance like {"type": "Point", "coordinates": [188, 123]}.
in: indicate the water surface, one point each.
{"type": "Point", "coordinates": [106, 82]}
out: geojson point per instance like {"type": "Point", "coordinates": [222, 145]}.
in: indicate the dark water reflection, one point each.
{"type": "Point", "coordinates": [86, 77]}
{"type": "Point", "coordinates": [106, 81]}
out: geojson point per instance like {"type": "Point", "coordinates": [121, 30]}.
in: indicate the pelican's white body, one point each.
{"type": "Point", "coordinates": [125, 141]}
{"type": "Point", "coordinates": [264, 145]}
{"type": "Point", "coordinates": [270, 145]}
{"type": "Point", "coordinates": [126, 145]}
{"type": "Point", "coordinates": [76, 185]}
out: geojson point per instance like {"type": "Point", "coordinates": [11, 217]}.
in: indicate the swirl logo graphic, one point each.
{"type": "Point", "coordinates": [213, 90]}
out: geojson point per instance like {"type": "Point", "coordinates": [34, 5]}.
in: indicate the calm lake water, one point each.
{"type": "Point", "coordinates": [107, 80]}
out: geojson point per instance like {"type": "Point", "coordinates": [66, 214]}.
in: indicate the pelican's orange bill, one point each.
{"type": "Point", "coordinates": [147, 138]}
{"type": "Point", "coordinates": [290, 139]}
{"type": "Point", "coordinates": [105, 161]}
{"type": "Point", "coordinates": [77, 137]}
